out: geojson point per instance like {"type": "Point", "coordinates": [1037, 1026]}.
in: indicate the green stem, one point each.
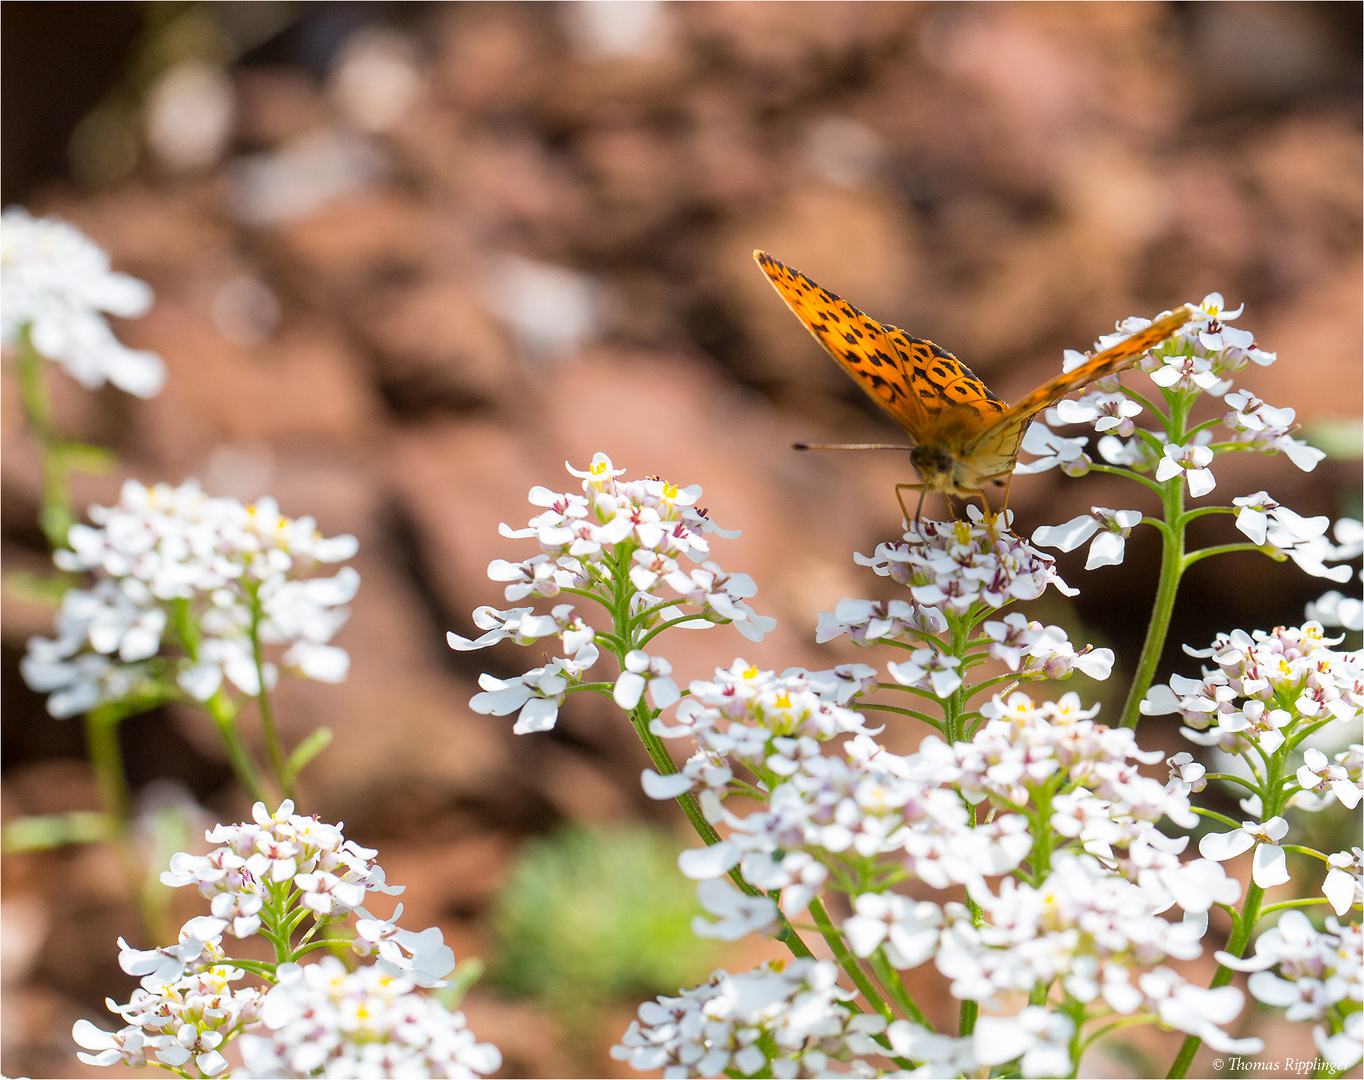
{"type": "Point", "coordinates": [890, 979]}
{"type": "Point", "coordinates": [1171, 570]}
{"type": "Point", "coordinates": [106, 756]}
{"type": "Point", "coordinates": [663, 762]}
{"type": "Point", "coordinates": [56, 515]}
{"type": "Point", "coordinates": [278, 761]}
{"type": "Point", "coordinates": [224, 715]}
{"type": "Point", "coordinates": [1223, 549]}
{"type": "Point", "coordinates": [847, 961]}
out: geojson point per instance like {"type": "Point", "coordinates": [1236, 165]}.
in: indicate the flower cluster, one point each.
{"type": "Point", "coordinates": [1088, 929]}
{"type": "Point", "coordinates": [952, 566]}
{"type": "Point", "coordinates": [620, 543]}
{"type": "Point", "coordinates": [1199, 359]}
{"type": "Point", "coordinates": [332, 874]}
{"type": "Point", "coordinates": [265, 879]}
{"type": "Point", "coordinates": [58, 287]}
{"type": "Point", "coordinates": [188, 1016]}
{"type": "Point", "coordinates": [220, 578]}
{"type": "Point", "coordinates": [819, 808]}
{"type": "Point", "coordinates": [1260, 683]}
{"type": "Point", "coordinates": [1320, 974]}
{"type": "Point", "coordinates": [321, 1020]}
{"type": "Point", "coordinates": [784, 1021]}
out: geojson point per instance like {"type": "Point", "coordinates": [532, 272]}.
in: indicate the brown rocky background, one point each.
{"type": "Point", "coordinates": [434, 250]}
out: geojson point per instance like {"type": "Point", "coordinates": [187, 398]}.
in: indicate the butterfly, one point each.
{"type": "Point", "coordinates": [962, 436]}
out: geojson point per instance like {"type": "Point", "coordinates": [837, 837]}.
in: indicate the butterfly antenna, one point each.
{"type": "Point", "coordinates": [847, 446]}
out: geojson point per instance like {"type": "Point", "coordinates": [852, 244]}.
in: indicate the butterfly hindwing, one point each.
{"type": "Point", "coordinates": [1121, 356]}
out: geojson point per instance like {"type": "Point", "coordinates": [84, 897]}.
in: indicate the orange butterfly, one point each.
{"type": "Point", "coordinates": [962, 436]}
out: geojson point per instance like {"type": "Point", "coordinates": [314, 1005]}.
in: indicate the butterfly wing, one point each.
{"type": "Point", "coordinates": [994, 450]}
{"type": "Point", "coordinates": [922, 386]}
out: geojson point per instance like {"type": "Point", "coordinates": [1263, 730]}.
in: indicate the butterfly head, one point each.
{"type": "Point", "coordinates": [942, 470]}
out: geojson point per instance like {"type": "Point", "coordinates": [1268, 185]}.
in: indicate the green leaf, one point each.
{"type": "Point", "coordinates": [467, 972]}
{"type": "Point", "coordinates": [1340, 437]}
{"type": "Point", "coordinates": [308, 749]}
{"type": "Point", "coordinates": [43, 832]}
{"type": "Point", "coordinates": [35, 589]}
{"type": "Point", "coordinates": [88, 458]}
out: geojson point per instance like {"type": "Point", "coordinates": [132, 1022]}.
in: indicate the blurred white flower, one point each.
{"type": "Point", "coordinates": [375, 78]}
{"type": "Point", "coordinates": [616, 29]}
{"type": "Point", "coordinates": [319, 1018]}
{"type": "Point", "coordinates": [164, 555]}
{"type": "Point", "coordinates": [302, 176]}
{"type": "Point", "coordinates": [189, 115]}
{"type": "Point", "coordinates": [739, 914]}
{"type": "Point", "coordinates": [552, 310]}
{"type": "Point", "coordinates": [57, 287]}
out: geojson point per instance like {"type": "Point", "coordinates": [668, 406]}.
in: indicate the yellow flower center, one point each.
{"type": "Point", "coordinates": [751, 672]}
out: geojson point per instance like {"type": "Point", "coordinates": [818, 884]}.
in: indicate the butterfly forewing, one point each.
{"type": "Point", "coordinates": [922, 386]}
{"type": "Point", "coordinates": [965, 435]}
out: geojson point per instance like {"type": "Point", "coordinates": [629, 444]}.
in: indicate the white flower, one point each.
{"type": "Point", "coordinates": [422, 957]}
{"type": "Point", "coordinates": [644, 671]}
{"type": "Point", "coordinates": [1107, 549]}
{"type": "Point", "coordinates": [57, 285]}
{"type": "Point", "coordinates": [1050, 450]}
{"type": "Point", "coordinates": [867, 622]}
{"type": "Point", "coordinates": [1250, 673]}
{"type": "Point", "coordinates": [1343, 1049]}
{"type": "Point", "coordinates": [1270, 865]}
{"type": "Point", "coordinates": [1317, 969]}
{"type": "Point", "coordinates": [908, 931]}
{"type": "Point", "coordinates": [188, 1016]}
{"type": "Point", "coordinates": [1197, 1010]}
{"type": "Point", "coordinates": [1344, 884]}
{"type": "Point", "coordinates": [331, 872]}
{"type": "Point", "coordinates": [1107, 412]}
{"type": "Point", "coordinates": [1263, 427]}
{"type": "Point", "coordinates": [1132, 453]}
{"type": "Point", "coordinates": [1336, 609]}
{"type": "Point", "coordinates": [534, 696]}
{"type": "Point", "coordinates": [739, 914]}
{"type": "Point", "coordinates": [1187, 773]}
{"type": "Point", "coordinates": [951, 566]}
{"type": "Point", "coordinates": [1040, 1036]}
{"type": "Point", "coordinates": [928, 669]}
{"type": "Point", "coordinates": [1192, 462]}
{"type": "Point", "coordinates": [1302, 539]}
{"type": "Point", "coordinates": [1319, 775]}
{"type": "Point", "coordinates": [128, 1045]}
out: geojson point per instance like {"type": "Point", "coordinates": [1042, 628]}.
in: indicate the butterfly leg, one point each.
{"type": "Point", "coordinates": [1008, 483]}
{"type": "Point", "coordinates": [918, 510]}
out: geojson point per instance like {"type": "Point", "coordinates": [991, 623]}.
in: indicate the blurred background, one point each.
{"type": "Point", "coordinates": [410, 257]}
